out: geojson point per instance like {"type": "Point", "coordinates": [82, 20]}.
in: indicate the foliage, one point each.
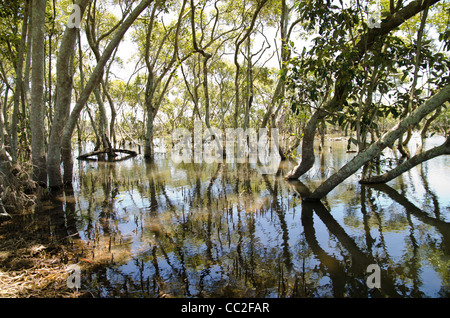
{"type": "Point", "coordinates": [330, 57]}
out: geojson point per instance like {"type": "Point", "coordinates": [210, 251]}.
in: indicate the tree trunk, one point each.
{"type": "Point", "coordinates": [239, 42]}
{"type": "Point", "coordinates": [153, 81]}
{"type": "Point", "coordinates": [343, 83]}
{"type": "Point", "coordinates": [148, 150]}
{"type": "Point", "coordinates": [386, 140]}
{"type": "Point", "coordinates": [403, 144]}
{"type": "Point", "coordinates": [4, 111]}
{"type": "Point", "coordinates": [148, 147]}
{"type": "Point", "coordinates": [112, 130]}
{"type": "Point", "coordinates": [2, 127]}
{"type": "Point", "coordinates": [19, 83]}
{"type": "Point", "coordinates": [423, 132]}
{"type": "Point", "coordinates": [37, 93]}
{"type": "Point", "coordinates": [27, 71]}
{"type": "Point", "coordinates": [64, 74]}
{"type": "Point", "coordinates": [249, 91]}
{"type": "Point", "coordinates": [279, 93]}
{"type": "Point", "coordinates": [94, 81]}
{"type": "Point", "coordinates": [103, 121]}
{"type": "Point", "coordinates": [443, 149]}
{"type": "Point", "coordinates": [308, 158]}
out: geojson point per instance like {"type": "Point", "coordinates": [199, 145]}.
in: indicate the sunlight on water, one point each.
{"type": "Point", "coordinates": [209, 230]}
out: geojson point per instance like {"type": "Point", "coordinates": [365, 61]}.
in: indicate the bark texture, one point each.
{"type": "Point", "coordinates": [64, 81]}
{"type": "Point", "coordinates": [38, 153]}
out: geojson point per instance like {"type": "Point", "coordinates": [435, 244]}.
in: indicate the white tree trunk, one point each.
{"type": "Point", "coordinates": [2, 127]}
{"type": "Point", "coordinates": [308, 158]}
{"type": "Point", "coordinates": [94, 80]}
{"type": "Point", "coordinates": [64, 80]}
{"type": "Point", "coordinates": [37, 94]}
{"type": "Point", "coordinates": [386, 140]}
{"type": "Point", "coordinates": [443, 149]}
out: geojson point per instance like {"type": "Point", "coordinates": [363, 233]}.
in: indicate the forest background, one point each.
{"type": "Point", "coordinates": [375, 71]}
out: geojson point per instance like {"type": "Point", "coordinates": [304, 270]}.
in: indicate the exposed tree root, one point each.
{"type": "Point", "coordinates": [112, 155]}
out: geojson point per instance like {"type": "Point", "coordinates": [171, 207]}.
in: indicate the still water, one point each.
{"type": "Point", "coordinates": [224, 230]}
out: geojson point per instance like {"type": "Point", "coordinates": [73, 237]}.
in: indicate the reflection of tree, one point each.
{"type": "Point", "coordinates": [203, 235]}
{"type": "Point", "coordinates": [423, 175]}
{"type": "Point", "coordinates": [62, 228]}
{"type": "Point", "coordinates": [442, 226]}
{"type": "Point", "coordinates": [211, 246]}
{"type": "Point", "coordinates": [101, 186]}
{"type": "Point", "coordinates": [438, 253]}
{"type": "Point", "coordinates": [359, 260]}
{"type": "Point", "coordinates": [281, 216]}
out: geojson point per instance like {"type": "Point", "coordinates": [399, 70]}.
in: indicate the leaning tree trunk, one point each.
{"type": "Point", "coordinates": [64, 79]}
{"type": "Point", "coordinates": [93, 82]}
{"type": "Point", "coordinates": [307, 148]}
{"type": "Point", "coordinates": [386, 140]}
{"type": "Point", "coordinates": [37, 93]}
{"type": "Point", "coordinates": [443, 149]}
{"type": "Point", "coordinates": [343, 82]}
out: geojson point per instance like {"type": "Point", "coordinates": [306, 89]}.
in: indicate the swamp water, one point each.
{"type": "Point", "coordinates": [224, 230]}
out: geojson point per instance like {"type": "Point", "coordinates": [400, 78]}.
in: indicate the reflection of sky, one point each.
{"type": "Point", "coordinates": [277, 221]}
{"type": "Point", "coordinates": [438, 175]}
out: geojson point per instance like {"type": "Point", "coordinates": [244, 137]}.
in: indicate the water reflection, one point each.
{"type": "Point", "coordinates": [223, 230]}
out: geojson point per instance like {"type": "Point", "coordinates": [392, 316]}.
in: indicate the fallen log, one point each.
{"type": "Point", "coordinates": [111, 154]}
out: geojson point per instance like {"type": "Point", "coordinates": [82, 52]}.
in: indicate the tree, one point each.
{"type": "Point", "coordinates": [37, 93]}
{"type": "Point", "coordinates": [64, 82]}
{"type": "Point", "coordinates": [60, 149]}
{"type": "Point", "coordinates": [19, 63]}
{"type": "Point", "coordinates": [241, 38]}
{"type": "Point", "coordinates": [433, 103]}
{"type": "Point", "coordinates": [443, 149]}
{"type": "Point", "coordinates": [347, 61]}
{"type": "Point", "coordinates": [155, 82]}
{"type": "Point", "coordinates": [97, 30]}
{"type": "Point", "coordinates": [216, 37]}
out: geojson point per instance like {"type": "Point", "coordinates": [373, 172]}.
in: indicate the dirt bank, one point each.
{"type": "Point", "coordinates": [32, 262]}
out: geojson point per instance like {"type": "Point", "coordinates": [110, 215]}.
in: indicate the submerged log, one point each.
{"type": "Point", "coordinates": [112, 154]}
